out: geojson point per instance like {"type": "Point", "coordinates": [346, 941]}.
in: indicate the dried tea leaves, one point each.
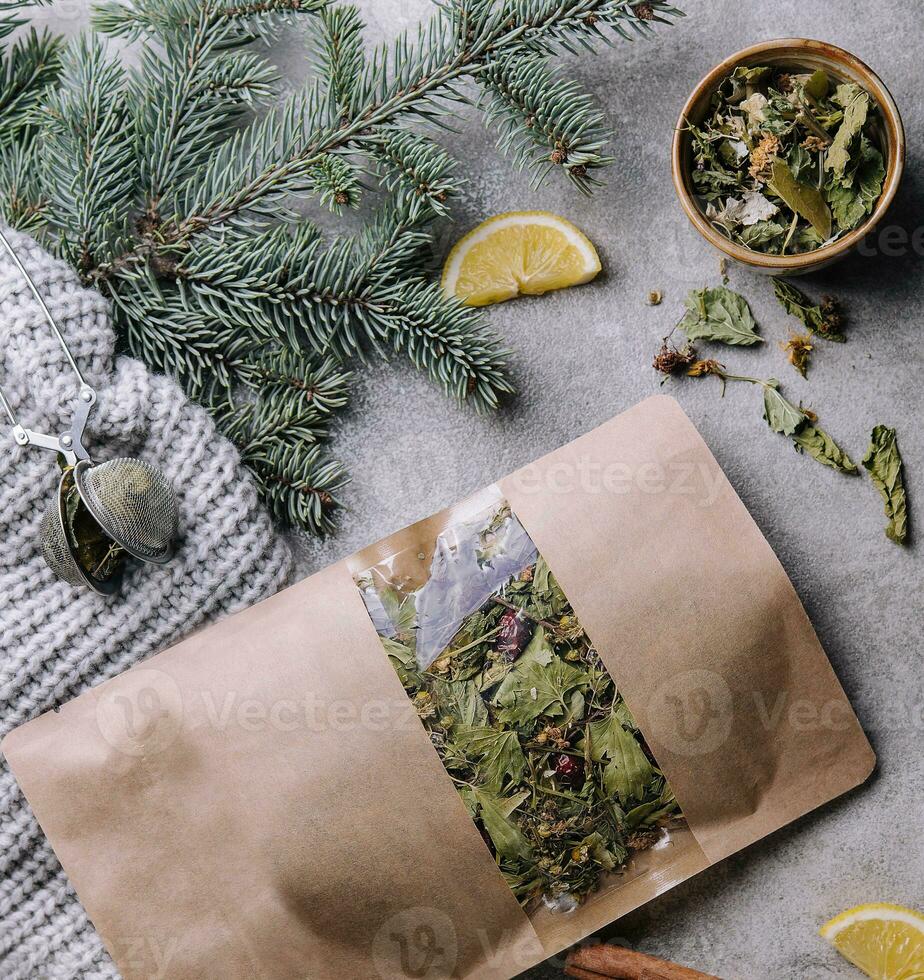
{"type": "Point", "coordinates": [719, 314]}
{"type": "Point", "coordinates": [781, 415]}
{"type": "Point", "coordinates": [805, 200]}
{"type": "Point", "coordinates": [884, 463]}
{"type": "Point", "coordinates": [819, 445]}
{"type": "Point", "coordinates": [785, 162]}
{"type": "Point", "coordinates": [825, 318]}
{"type": "Point", "coordinates": [537, 739]}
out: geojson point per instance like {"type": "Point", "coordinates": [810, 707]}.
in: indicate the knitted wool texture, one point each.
{"type": "Point", "coordinates": [55, 640]}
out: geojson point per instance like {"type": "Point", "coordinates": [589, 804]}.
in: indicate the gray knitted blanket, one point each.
{"type": "Point", "coordinates": [55, 640]}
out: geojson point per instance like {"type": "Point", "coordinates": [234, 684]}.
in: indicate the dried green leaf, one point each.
{"type": "Point", "coordinates": [795, 302]}
{"type": "Point", "coordinates": [538, 689]}
{"type": "Point", "coordinates": [538, 652]}
{"type": "Point", "coordinates": [817, 84]}
{"type": "Point", "coordinates": [852, 202]}
{"type": "Point", "coordinates": [463, 700]}
{"type": "Point", "coordinates": [763, 233]}
{"type": "Point", "coordinates": [805, 200]}
{"type": "Point", "coordinates": [400, 608]}
{"type": "Point", "coordinates": [506, 836]}
{"type": "Point", "coordinates": [818, 444]}
{"type": "Point", "coordinates": [628, 771]}
{"type": "Point", "coordinates": [884, 462]}
{"type": "Point", "coordinates": [719, 314]}
{"type": "Point", "coordinates": [498, 751]}
{"type": "Point", "coordinates": [781, 415]}
{"type": "Point", "coordinates": [825, 320]}
{"type": "Point", "coordinates": [856, 104]}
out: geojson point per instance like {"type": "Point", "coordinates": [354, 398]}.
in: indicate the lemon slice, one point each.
{"type": "Point", "coordinates": [885, 941]}
{"type": "Point", "coordinates": [518, 253]}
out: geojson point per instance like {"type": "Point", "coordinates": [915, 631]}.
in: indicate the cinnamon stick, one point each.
{"type": "Point", "coordinates": [597, 962]}
{"type": "Point", "coordinates": [576, 971]}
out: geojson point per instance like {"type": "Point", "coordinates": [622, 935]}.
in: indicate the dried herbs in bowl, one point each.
{"type": "Point", "coordinates": [787, 154]}
{"type": "Point", "coordinates": [788, 161]}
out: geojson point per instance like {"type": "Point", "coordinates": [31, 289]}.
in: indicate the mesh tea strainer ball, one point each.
{"type": "Point", "coordinates": [102, 512]}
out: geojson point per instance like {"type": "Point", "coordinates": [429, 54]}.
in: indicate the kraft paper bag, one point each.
{"type": "Point", "coordinates": [264, 801]}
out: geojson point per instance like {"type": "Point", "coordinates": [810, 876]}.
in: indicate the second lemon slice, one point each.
{"type": "Point", "coordinates": [885, 941]}
{"type": "Point", "coordinates": [521, 252]}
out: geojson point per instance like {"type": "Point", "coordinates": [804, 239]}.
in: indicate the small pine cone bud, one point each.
{"type": "Point", "coordinates": [558, 156]}
{"type": "Point", "coordinates": [644, 11]}
{"type": "Point", "coordinates": [590, 20]}
{"type": "Point", "coordinates": [341, 197]}
{"type": "Point", "coordinates": [579, 171]}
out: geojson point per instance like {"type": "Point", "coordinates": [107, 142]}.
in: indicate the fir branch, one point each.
{"type": "Point", "coordinates": [408, 77]}
{"type": "Point", "coordinates": [140, 19]}
{"type": "Point", "coordinates": [9, 21]}
{"type": "Point", "coordinates": [185, 104]}
{"type": "Point", "coordinates": [187, 219]}
{"type": "Point", "coordinates": [300, 486]}
{"type": "Point", "coordinates": [27, 69]}
{"type": "Point", "coordinates": [23, 204]}
{"type": "Point", "coordinates": [292, 384]}
{"type": "Point", "coordinates": [88, 156]}
{"type": "Point", "coordinates": [415, 169]}
{"type": "Point", "coordinates": [279, 435]}
{"type": "Point", "coordinates": [450, 343]}
{"type": "Point", "coordinates": [159, 324]}
{"type": "Point", "coordinates": [335, 182]}
{"type": "Point", "coordinates": [544, 121]}
{"type": "Point", "coordinates": [341, 56]}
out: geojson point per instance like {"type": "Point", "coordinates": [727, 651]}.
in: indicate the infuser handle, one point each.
{"type": "Point", "coordinates": [70, 442]}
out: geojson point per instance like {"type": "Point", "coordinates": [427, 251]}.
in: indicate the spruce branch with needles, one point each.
{"type": "Point", "coordinates": [176, 188]}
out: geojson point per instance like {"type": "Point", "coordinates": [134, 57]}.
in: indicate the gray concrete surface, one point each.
{"type": "Point", "coordinates": [583, 355]}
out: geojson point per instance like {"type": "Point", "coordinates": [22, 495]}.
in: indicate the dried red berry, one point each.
{"type": "Point", "coordinates": [569, 769]}
{"type": "Point", "coordinates": [515, 632]}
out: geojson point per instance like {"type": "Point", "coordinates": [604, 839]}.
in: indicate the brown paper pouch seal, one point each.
{"type": "Point", "coordinates": [260, 801]}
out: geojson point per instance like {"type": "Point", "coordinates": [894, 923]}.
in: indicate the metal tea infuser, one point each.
{"type": "Point", "coordinates": [124, 505]}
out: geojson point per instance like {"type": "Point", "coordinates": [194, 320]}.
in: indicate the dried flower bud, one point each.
{"type": "Point", "coordinates": [671, 360]}
{"type": "Point", "coordinates": [762, 157]}
{"type": "Point", "coordinates": [815, 144]}
{"type": "Point", "coordinates": [798, 348]}
{"type": "Point", "coordinates": [702, 368]}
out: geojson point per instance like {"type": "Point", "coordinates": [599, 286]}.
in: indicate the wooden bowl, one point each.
{"type": "Point", "coordinates": [798, 54]}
